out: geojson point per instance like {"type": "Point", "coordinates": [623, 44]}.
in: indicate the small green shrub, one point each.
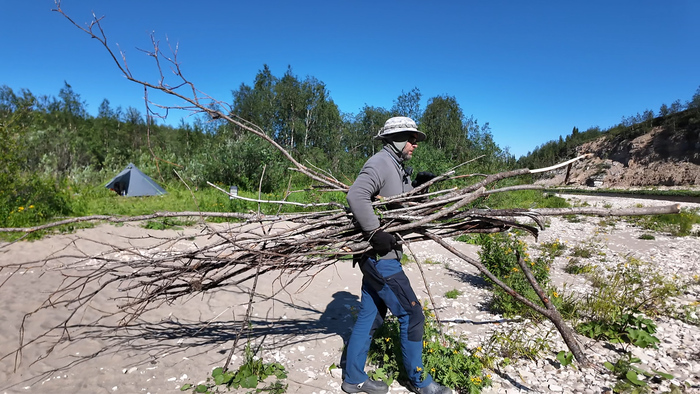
{"type": "Point", "coordinates": [610, 222]}
{"type": "Point", "coordinates": [689, 314]}
{"type": "Point", "coordinates": [573, 218]}
{"type": "Point", "coordinates": [582, 252]}
{"type": "Point", "coordinates": [450, 363]}
{"type": "Point", "coordinates": [628, 375]}
{"type": "Point", "coordinates": [565, 358]}
{"type": "Point", "coordinates": [553, 248]}
{"type": "Point", "coordinates": [248, 376]}
{"type": "Point", "coordinates": [575, 267]}
{"type": "Point", "coordinates": [498, 254]}
{"type": "Point", "coordinates": [519, 342]}
{"type": "Point", "coordinates": [628, 328]}
{"type": "Point", "coordinates": [647, 237]}
{"type": "Point", "coordinates": [453, 294]}
{"type": "Point", "coordinates": [622, 299]}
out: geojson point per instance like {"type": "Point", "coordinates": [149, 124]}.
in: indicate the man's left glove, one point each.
{"type": "Point", "coordinates": [381, 241]}
{"type": "Point", "coordinates": [422, 177]}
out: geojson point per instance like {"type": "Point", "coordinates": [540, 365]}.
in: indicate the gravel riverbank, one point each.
{"type": "Point", "coordinates": [303, 327]}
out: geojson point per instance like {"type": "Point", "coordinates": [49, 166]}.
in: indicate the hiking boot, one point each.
{"type": "Point", "coordinates": [369, 386]}
{"type": "Point", "coordinates": [432, 388]}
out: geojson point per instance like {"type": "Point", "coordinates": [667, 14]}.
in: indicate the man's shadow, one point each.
{"type": "Point", "coordinates": [339, 315]}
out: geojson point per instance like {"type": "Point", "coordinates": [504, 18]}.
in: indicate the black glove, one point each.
{"type": "Point", "coordinates": [422, 177]}
{"type": "Point", "coordinates": [382, 242]}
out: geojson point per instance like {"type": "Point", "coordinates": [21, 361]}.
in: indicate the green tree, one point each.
{"type": "Point", "coordinates": [443, 123]}
{"type": "Point", "coordinates": [408, 104]}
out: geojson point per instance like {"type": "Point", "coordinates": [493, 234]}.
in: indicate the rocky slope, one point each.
{"type": "Point", "coordinates": [658, 158]}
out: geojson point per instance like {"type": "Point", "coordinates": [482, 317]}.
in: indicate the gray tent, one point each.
{"type": "Point", "coordinates": [132, 182]}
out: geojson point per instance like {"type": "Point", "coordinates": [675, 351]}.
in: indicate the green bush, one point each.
{"type": "Point", "coordinates": [632, 286]}
{"type": "Point", "coordinates": [498, 254]}
{"type": "Point", "coordinates": [450, 363]}
{"type": "Point", "coordinates": [32, 201]}
{"type": "Point", "coordinates": [622, 299]}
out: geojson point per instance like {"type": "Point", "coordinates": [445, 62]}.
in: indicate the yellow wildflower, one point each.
{"type": "Point", "coordinates": [20, 209]}
{"type": "Point", "coordinates": [31, 207]}
{"type": "Point", "coordinates": [418, 369]}
{"type": "Point", "coordinates": [555, 294]}
{"type": "Point", "coordinates": [387, 339]}
{"type": "Point", "coordinates": [515, 269]}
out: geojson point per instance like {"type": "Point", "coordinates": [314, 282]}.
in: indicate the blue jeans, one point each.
{"type": "Point", "coordinates": [385, 285]}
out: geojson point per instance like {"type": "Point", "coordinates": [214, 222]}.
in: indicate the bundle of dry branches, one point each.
{"type": "Point", "coordinates": [290, 245]}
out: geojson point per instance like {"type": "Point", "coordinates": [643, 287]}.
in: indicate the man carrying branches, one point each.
{"type": "Point", "coordinates": [384, 284]}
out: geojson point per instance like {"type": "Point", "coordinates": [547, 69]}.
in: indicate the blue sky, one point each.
{"type": "Point", "coordinates": [532, 69]}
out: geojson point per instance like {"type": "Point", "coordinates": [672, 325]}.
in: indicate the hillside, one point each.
{"type": "Point", "coordinates": [660, 157]}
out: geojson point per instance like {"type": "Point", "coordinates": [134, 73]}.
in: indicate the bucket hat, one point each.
{"type": "Point", "coordinates": [398, 125]}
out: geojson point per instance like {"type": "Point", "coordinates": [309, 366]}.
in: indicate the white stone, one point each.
{"type": "Point", "coordinates": [337, 373]}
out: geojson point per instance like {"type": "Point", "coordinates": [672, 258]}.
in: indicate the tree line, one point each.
{"type": "Point", "coordinates": [47, 142]}
{"type": "Point", "coordinates": [55, 135]}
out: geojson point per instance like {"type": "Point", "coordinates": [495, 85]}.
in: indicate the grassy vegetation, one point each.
{"type": "Point", "coordinates": [679, 224]}
{"type": "Point", "coordinates": [51, 202]}
{"type": "Point", "coordinates": [649, 192]}
{"type": "Point", "coordinates": [523, 199]}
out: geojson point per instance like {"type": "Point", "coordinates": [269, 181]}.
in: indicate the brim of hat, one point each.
{"type": "Point", "coordinates": [420, 136]}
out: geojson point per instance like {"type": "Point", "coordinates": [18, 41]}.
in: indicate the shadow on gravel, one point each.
{"type": "Point", "coordinates": [147, 342]}
{"type": "Point", "coordinates": [466, 277]}
{"type": "Point", "coordinates": [512, 381]}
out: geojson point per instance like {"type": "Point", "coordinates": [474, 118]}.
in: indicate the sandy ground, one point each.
{"type": "Point", "coordinates": [302, 327]}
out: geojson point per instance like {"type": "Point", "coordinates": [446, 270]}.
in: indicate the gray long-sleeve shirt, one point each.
{"type": "Point", "coordinates": [384, 175]}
